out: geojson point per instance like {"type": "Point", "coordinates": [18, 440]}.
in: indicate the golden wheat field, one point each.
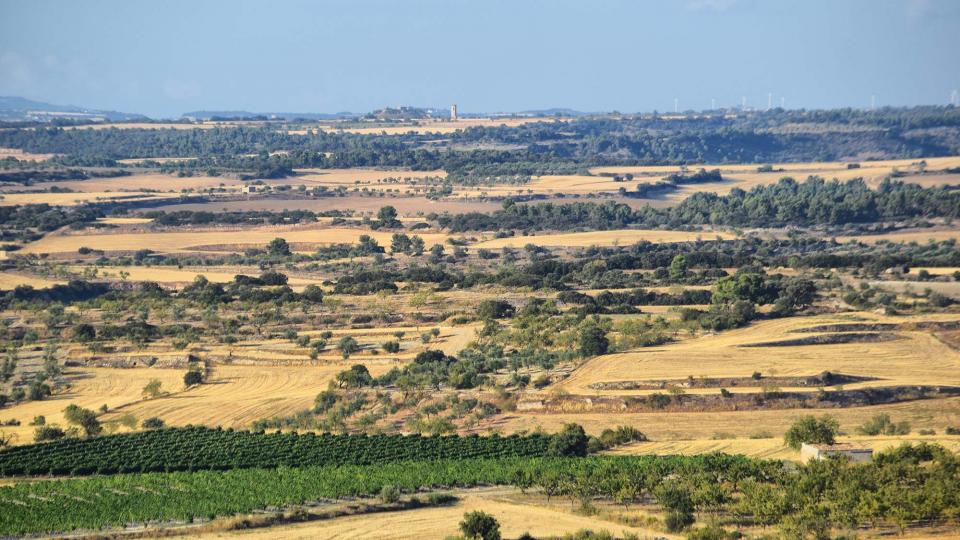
{"type": "Point", "coordinates": [18, 154]}
{"type": "Point", "coordinates": [73, 199]}
{"type": "Point", "coordinates": [11, 280]}
{"type": "Point", "coordinates": [515, 513]}
{"type": "Point", "coordinates": [222, 241]}
{"type": "Point", "coordinates": [684, 427]}
{"type": "Point", "coordinates": [173, 276]}
{"type": "Point", "coordinates": [148, 182]}
{"type": "Point", "coordinates": [916, 358]}
{"type": "Point", "coordinates": [426, 126]}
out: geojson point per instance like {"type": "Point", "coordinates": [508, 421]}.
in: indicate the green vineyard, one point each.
{"type": "Point", "coordinates": [134, 499]}
{"type": "Point", "coordinates": [201, 448]}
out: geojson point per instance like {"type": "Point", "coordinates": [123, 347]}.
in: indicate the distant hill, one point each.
{"type": "Point", "coordinates": [13, 108]}
{"type": "Point", "coordinates": [247, 115]}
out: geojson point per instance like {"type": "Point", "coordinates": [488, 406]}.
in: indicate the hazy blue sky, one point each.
{"type": "Point", "coordinates": [168, 57]}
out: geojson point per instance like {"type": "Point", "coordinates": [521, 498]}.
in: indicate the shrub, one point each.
{"type": "Point", "coordinates": [389, 494]}
{"type": "Point", "coordinates": [881, 424]}
{"type": "Point", "coordinates": [48, 433]}
{"type": "Point", "coordinates": [192, 377]}
{"type": "Point", "coordinates": [571, 441]}
{"type": "Point", "coordinates": [152, 423]}
{"type": "Point", "coordinates": [480, 525]}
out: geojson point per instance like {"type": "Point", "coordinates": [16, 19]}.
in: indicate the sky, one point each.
{"type": "Point", "coordinates": [169, 57]}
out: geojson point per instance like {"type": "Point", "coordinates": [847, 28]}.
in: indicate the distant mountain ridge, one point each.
{"type": "Point", "coordinates": [15, 108]}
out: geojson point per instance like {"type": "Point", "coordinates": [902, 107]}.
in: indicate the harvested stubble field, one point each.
{"type": "Point", "coordinates": [11, 280]}
{"type": "Point", "coordinates": [683, 428]}
{"type": "Point", "coordinates": [426, 126]}
{"type": "Point", "coordinates": [20, 155]}
{"type": "Point", "coordinates": [148, 181]}
{"type": "Point", "coordinates": [742, 176]}
{"type": "Point", "coordinates": [916, 359]}
{"type": "Point", "coordinates": [74, 199]}
{"type": "Point", "coordinates": [225, 241]}
{"type": "Point", "coordinates": [172, 276]}
{"type": "Point", "coordinates": [406, 206]}
{"type": "Point", "coordinates": [515, 512]}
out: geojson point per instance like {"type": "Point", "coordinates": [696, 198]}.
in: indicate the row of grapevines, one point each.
{"type": "Point", "coordinates": [202, 448]}
{"type": "Point", "coordinates": [135, 499]}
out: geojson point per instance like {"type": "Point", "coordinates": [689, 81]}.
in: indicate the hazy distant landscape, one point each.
{"type": "Point", "coordinates": [461, 315]}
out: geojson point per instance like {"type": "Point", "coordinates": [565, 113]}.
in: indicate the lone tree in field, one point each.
{"type": "Point", "coordinates": [479, 525]}
{"type": "Point", "coordinates": [192, 377]}
{"type": "Point", "coordinates": [85, 418]}
{"type": "Point", "coordinates": [347, 346]}
{"type": "Point", "coordinates": [387, 217]}
{"type": "Point", "coordinates": [812, 430]}
{"type": "Point", "coordinates": [278, 247]}
{"type": "Point", "coordinates": [152, 388]}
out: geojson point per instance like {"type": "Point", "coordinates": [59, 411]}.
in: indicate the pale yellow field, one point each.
{"type": "Point", "coordinates": [73, 199]}
{"type": "Point", "coordinates": [91, 389]}
{"type": "Point", "coordinates": [772, 448]}
{"type": "Point", "coordinates": [10, 281]}
{"type": "Point", "coordinates": [124, 220]}
{"type": "Point", "coordinates": [743, 176]}
{"type": "Point", "coordinates": [238, 395]}
{"type": "Point", "coordinates": [600, 238]}
{"type": "Point", "coordinates": [350, 177]}
{"type": "Point", "coordinates": [681, 427]}
{"type": "Point", "coordinates": [135, 161]}
{"type": "Point", "coordinates": [428, 126]}
{"type": "Point", "coordinates": [171, 275]}
{"type": "Point", "coordinates": [935, 270]}
{"type": "Point", "coordinates": [145, 125]}
{"type": "Point", "coordinates": [921, 236]}
{"type": "Point", "coordinates": [918, 359]}
{"type": "Point", "coordinates": [23, 156]}
{"type": "Point", "coordinates": [516, 515]}
{"type": "Point", "coordinates": [152, 181]}
{"type": "Point", "coordinates": [227, 240]}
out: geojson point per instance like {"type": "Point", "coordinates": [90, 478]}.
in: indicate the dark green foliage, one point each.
{"type": "Point", "coordinates": [571, 441]}
{"type": "Point", "coordinates": [479, 525]}
{"type": "Point", "coordinates": [813, 430]}
{"type": "Point", "coordinates": [200, 448]}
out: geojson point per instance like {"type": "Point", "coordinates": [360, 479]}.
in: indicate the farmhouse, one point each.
{"type": "Point", "coordinates": [856, 454]}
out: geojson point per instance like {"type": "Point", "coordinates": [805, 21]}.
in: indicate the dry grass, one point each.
{"type": "Point", "coordinates": [773, 447]}
{"type": "Point", "coordinates": [406, 206]}
{"type": "Point", "coordinates": [429, 126]}
{"type": "Point", "coordinates": [11, 280]}
{"type": "Point", "coordinates": [683, 427]}
{"type": "Point", "coordinates": [23, 156]}
{"type": "Point", "coordinates": [914, 235]}
{"type": "Point", "coordinates": [173, 276]}
{"type": "Point", "coordinates": [73, 199]}
{"type": "Point", "coordinates": [600, 238]}
{"type": "Point", "coordinates": [226, 241]}
{"type": "Point", "coordinates": [152, 181]}
{"type": "Point", "coordinates": [917, 359]}
{"type": "Point", "coordinates": [515, 513]}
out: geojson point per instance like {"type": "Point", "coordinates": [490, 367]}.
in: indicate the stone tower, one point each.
{"type": "Point", "coordinates": [453, 112]}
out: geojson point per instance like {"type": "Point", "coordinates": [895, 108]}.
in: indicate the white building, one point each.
{"type": "Point", "coordinates": [856, 454]}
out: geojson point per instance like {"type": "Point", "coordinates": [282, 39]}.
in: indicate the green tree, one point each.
{"type": "Point", "coordinates": [678, 268]}
{"type": "Point", "coordinates": [84, 418]}
{"type": "Point", "coordinates": [479, 525]}
{"type": "Point", "coordinates": [592, 341]}
{"type": "Point", "coordinates": [571, 441]}
{"type": "Point", "coordinates": [278, 247]}
{"type": "Point", "coordinates": [812, 430]}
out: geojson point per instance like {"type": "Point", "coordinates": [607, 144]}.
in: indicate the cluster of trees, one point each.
{"type": "Point", "coordinates": [788, 202]}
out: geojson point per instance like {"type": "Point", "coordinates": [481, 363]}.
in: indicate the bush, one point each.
{"type": "Point", "coordinates": [391, 347]}
{"type": "Point", "coordinates": [48, 433]}
{"type": "Point", "coordinates": [571, 441]}
{"type": "Point", "coordinates": [881, 424]}
{"type": "Point", "coordinates": [389, 495]}
{"type": "Point", "coordinates": [152, 423]}
{"type": "Point", "coordinates": [480, 525]}
{"type": "Point", "coordinates": [678, 521]}
{"type": "Point", "coordinates": [192, 377]}
{"type": "Point", "coordinates": [810, 429]}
